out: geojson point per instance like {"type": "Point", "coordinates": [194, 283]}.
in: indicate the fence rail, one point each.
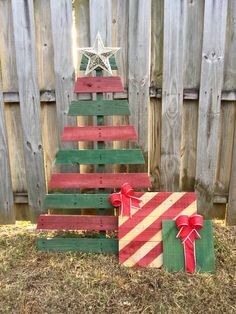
{"type": "Point", "coordinates": [178, 66]}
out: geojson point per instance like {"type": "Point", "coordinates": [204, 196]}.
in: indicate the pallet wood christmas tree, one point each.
{"type": "Point", "coordinates": [98, 58]}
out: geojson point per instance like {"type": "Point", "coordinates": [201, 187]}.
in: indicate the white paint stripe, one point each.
{"type": "Point", "coordinates": [157, 262]}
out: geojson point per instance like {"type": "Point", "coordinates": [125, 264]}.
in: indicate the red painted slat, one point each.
{"type": "Point", "coordinates": [74, 222]}
{"type": "Point", "coordinates": [97, 180]}
{"type": "Point", "coordinates": [103, 84]}
{"type": "Point", "coordinates": [99, 133]}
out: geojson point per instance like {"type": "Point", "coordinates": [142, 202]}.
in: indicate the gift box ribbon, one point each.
{"type": "Point", "coordinates": [188, 231]}
{"type": "Point", "coordinates": [125, 199]}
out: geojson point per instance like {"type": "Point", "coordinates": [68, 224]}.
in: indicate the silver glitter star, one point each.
{"type": "Point", "coordinates": [98, 56]}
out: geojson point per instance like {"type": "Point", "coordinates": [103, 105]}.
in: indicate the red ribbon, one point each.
{"type": "Point", "coordinates": [125, 200]}
{"type": "Point", "coordinates": [188, 227]}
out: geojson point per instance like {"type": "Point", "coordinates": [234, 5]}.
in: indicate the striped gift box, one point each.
{"type": "Point", "coordinates": [140, 236]}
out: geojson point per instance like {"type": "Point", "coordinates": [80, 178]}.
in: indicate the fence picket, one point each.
{"type": "Point", "coordinates": [7, 213]}
{"type": "Point", "coordinates": [139, 80]}
{"type": "Point", "coordinates": [24, 34]}
{"type": "Point", "coordinates": [215, 14]}
{"type": "Point", "coordinates": [172, 94]}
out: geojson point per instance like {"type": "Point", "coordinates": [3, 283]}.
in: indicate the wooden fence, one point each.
{"type": "Point", "coordinates": [178, 66]}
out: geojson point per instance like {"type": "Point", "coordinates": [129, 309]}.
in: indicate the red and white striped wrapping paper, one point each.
{"type": "Point", "coordinates": [140, 236]}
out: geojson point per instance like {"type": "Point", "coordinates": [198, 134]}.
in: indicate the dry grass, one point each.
{"type": "Point", "coordinates": [32, 282]}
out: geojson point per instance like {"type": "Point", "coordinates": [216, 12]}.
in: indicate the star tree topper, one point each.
{"type": "Point", "coordinates": [98, 56]}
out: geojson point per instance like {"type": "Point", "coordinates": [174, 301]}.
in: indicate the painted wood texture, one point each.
{"type": "Point", "coordinates": [97, 180]}
{"type": "Point", "coordinates": [138, 56]}
{"type": "Point", "coordinates": [24, 31]}
{"type": "Point", "coordinates": [84, 63]}
{"type": "Point", "coordinates": [96, 156]}
{"type": "Point", "coordinates": [98, 108]}
{"type": "Point", "coordinates": [87, 245]}
{"type": "Point", "coordinates": [62, 22]}
{"type": "Point", "coordinates": [103, 84]}
{"type": "Point", "coordinates": [77, 201]}
{"type": "Point", "coordinates": [99, 133]}
{"type": "Point", "coordinates": [172, 94]}
{"type": "Point", "coordinates": [77, 222]}
{"type": "Point", "coordinates": [215, 14]}
{"type": "Point", "coordinates": [7, 213]}
{"type": "Point", "coordinates": [140, 236]}
{"type": "Point", "coordinates": [173, 252]}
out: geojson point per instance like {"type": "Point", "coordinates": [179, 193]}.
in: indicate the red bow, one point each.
{"type": "Point", "coordinates": [188, 227]}
{"type": "Point", "coordinates": [125, 200]}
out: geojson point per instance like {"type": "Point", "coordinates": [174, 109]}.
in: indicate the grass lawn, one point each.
{"type": "Point", "coordinates": [33, 282]}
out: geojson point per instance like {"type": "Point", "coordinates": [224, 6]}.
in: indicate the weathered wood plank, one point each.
{"type": "Point", "coordinates": [12, 111]}
{"type": "Point", "coordinates": [99, 133]}
{"type": "Point", "coordinates": [101, 84]}
{"type": "Point", "coordinates": [62, 21]}
{"type": "Point", "coordinates": [97, 108]}
{"type": "Point", "coordinates": [172, 94]}
{"type": "Point", "coordinates": [98, 157]}
{"type": "Point", "coordinates": [7, 213]}
{"type": "Point", "coordinates": [24, 34]}
{"type": "Point", "coordinates": [46, 77]}
{"type": "Point", "coordinates": [87, 245]}
{"type": "Point", "coordinates": [194, 13]}
{"type": "Point", "coordinates": [231, 210]}
{"type": "Point", "coordinates": [215, 14]}
{"type": "Point", "coordinates": [228, 109]}
{"type": "Point", "coordinates": [98, 180]}
{"type": "Point", "coordinates": [74, 222]}
{"type": "Point", "coordinates": [154, 161]}
{"type": "Point", "coordinates": [139, 46]}
{"type": "Point", "coordinates": [7, 49]}
{"type": "Point", "coordinates": [77, 201]}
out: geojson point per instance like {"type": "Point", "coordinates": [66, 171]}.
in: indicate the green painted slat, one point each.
{"type": "Point", "coordinates": [77, 201]}
{"type": "Point", "coordinates": [173, 252]}
{"type": "Point", "coordinates": [84, 62]}
{"type": "Point", "coordinates": [98, 157]}
{"type": "Point", "coordinates": [97, 108]}
{"type": "Point", "coordinates": [88, 245]}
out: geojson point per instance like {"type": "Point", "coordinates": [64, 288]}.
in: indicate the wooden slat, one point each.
{"type": "Point", "coordinates": [77, 222]}
{"type": "Point", "coordinates": [99, 133]}
{"type": "Point", "coordinates": [7, 213]}
{"type": "Point", "coordinates": [97, 180]}
{"type": "Point", "coordinates": [84, 63]}
{"type": "Point", "coordinates": [77, 201]}
{"type": "Point", "coordinates": [62, 22]}
{"type": "Point", "coordinates": [154, 155]}
{"type": "Point", "coordinates": [96, 108]}
{"type": "Point", "coordinates": [172, 94]}
{"type": "Point", "coordinates": [98, 157]}
{"type": "Point", "coordinates": [215, 14]}
{"type": "Point", "coordinates": [228, 109]}
{"type": "Point", "coordinates": [45, 54]}
{"type": "Point", "coordinates": [24, 34]}
{"type": "Point", "coordinates": [105, 84]}
{"type": "Point", "coordinates": [194, 12]}
{"type": "Point", "coordinates": [231, 210]}
{"type": "Point", "coordinates": [138, 56]}
{"type": "Point", "coordinates": [99, 245]}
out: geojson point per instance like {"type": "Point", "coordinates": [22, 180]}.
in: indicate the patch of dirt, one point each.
{"type": "Point", "coordinates": [34, 282]}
